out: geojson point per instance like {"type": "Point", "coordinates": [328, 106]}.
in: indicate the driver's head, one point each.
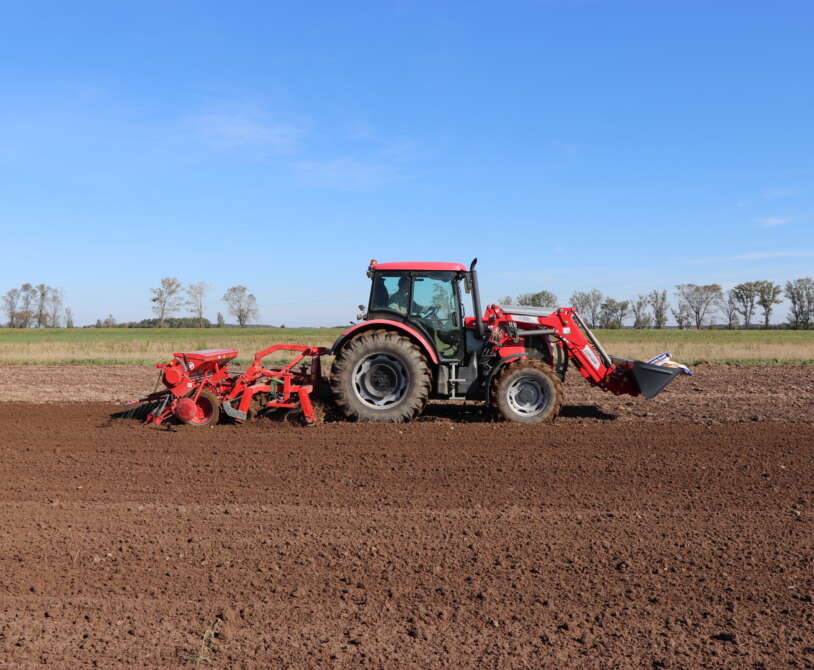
{"type": "Point", "coordinates": [404, 284]}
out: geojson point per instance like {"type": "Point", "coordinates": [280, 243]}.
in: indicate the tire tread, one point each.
{"type": "Point", "coordinates": [347, 357]}
{"type": "Point", "coordinates": [511, 369]}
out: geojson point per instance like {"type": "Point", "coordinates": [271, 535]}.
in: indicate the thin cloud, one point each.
{"type": "Point", "coordinates": [780, 193]}
{"type": "Point", "coordinates": [396, 149]}
{"type": "Point", "coordinates": [246, 130]}
{"type": "Point", "coordinates": [773, 221]}
{"type": "Point", "coordinates": [756, 256]}
{"type": "Point", "coordinates": [346, 173]}
{"type": "Point", "coordinates": [761, 255]}
{"type": "Point", "coordinates": [378, 162]}
{"type": "Point", "coordinates": [566, 148]}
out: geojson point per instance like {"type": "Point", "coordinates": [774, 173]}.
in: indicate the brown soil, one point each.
{"type": "Point", "coordinates": [592, 543]}
{"type": "Point", "coordinates": [715, 394]}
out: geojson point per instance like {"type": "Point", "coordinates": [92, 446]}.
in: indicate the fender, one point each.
{"type": "Point", "coordinates": [412, 332]}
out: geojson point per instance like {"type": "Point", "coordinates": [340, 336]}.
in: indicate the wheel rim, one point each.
{"type": "Point", "coordinates": [527, 397]}
{"type": "Point", "coordinates": [380, 380]}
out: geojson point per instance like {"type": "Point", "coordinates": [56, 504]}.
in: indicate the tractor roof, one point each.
{"type": "Point", "coordinates": [427, 267]}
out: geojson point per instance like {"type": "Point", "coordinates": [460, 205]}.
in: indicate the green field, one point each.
{"type": "Point", "coordinates": [148, 346]}
{"type": "Point", "coordinates": [145, 346]}
{"type": "Point", "coordinates": [715, 346]}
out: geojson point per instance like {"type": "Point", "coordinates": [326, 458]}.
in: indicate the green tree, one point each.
{"type": "Point", "coordinates": [196, 296]}
{"type": "Point", "coordinates": [241, 304]}
{"type": "Point", "coordinates": [745, 296]}
{"type": "Point", "coordinates": [54, 307]}
{"type": "Point", "coordinates": [701, 300]}
{"type": "Point", "coordinates": [729, 307]}
{"type": "Point", "coordinates": [613, 313]}
{"type": "Point", "coordinates": [800, 293]}
{"type": "Point", "coordinates": [539, 299]}
{"type": "Point", "coordinates": [768, 295]}
{"type": "Point", "coordinates": [658, 301]}
{"type": "Point", "coordinates": [641, 317]}
{"type": "Point", "coordinates": [26, 313]}
{"type": "Point", "coordinates": [42, 293]}
{"type": "Point", "coordinates": [588, 305]}
{"type": "Point", "coordinates": [10, 300]}
{"type": "Point", "coordinates": [682, 315]}
{"type": "Point", "coordinates": [166, 299]}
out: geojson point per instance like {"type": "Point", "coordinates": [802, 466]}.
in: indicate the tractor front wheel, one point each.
{"type": "Point", "coordinates": [527, 391]}
{"type": "Point", "coordinates": [380, 376]}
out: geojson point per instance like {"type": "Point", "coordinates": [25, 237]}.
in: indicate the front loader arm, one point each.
{"type": "Point", "coordinates": [584, 350]}
{"type": "Point", "coordinates": [616, 375]}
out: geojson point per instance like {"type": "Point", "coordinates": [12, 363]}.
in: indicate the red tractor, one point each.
{"type": "Point", "coordinates": [415, 343]}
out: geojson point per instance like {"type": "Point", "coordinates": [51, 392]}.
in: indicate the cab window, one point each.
{"type": "Point", "coordinates": [390, 291]}
{"type": "Point", "coordinates": [435, 305]}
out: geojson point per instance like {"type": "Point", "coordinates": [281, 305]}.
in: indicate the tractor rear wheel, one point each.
{"type": "Point", "coordinates": [201, 411]}
{"type": "Point", "coordinates": [380, 376]}
{"type": "Point", "coordinates": [527, 391]}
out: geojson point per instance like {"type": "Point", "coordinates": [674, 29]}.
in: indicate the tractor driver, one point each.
{"type": "Point", "coordinates": [398, 300]}
{"type": "Point", "coordinates": [447, 343]}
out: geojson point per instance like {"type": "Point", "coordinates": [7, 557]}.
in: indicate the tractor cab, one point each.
{"type": "Point", "coordinates": [426, 297]}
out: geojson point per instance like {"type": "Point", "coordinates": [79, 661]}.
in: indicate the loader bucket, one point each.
{"type": "Point", "coordinates": [652, 379]}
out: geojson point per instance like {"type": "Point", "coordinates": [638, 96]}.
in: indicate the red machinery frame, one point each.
{"type": "Point", "coordinates": [258, 379]}
{"type": "Point", "coordinates": [191, 373]}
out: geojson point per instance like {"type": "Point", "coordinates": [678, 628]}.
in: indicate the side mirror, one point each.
{"type": "Point", "coordinates": [361, 315]}
{"type": "Point", "coordinates": [467, 284]}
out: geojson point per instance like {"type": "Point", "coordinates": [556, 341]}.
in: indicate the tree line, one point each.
{"type": "Point", "coordinates": [41, 306]}
{"type": "Point", "coordinates": [36, 306]}
{"type": "Point", "coordinates": [172, 297]}
{"type": "Point", "coordinates": [696, 305]}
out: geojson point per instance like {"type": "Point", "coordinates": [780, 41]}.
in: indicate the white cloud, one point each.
{"type": "Point", "coordinates": [780, 193]}
{"type": "Point", "coordinates": [762, 255]}
{"type": "Point", "coordinates": [346, 173]}
{"type": "Point", "coordinates": [246, 130]}
{"type": "Point", "coordinates": [773, 221]}
{"type": "Point", "coordinates": [757, 256]}
{"type": "Point", "coordinates": [566, 148]}
{"type": "Point", "coordinates": [377, 162]}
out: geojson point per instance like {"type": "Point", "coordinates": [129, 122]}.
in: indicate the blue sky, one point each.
{"type": "Point", "coordinates": [569, 145]}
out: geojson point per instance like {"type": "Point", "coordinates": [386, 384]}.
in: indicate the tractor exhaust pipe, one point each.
{"type": "Point", "coordinates": [473, 277]}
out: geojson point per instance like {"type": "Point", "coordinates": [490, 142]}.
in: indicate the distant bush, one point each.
{"type": "Point", "coordinates": [171, 322]}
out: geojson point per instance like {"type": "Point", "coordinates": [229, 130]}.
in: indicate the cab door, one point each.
{"type": "Point", "coordinates": [435, 306]}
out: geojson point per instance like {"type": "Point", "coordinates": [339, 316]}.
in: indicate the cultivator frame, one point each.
{"type": "Point", "coordinates": [199, 386]}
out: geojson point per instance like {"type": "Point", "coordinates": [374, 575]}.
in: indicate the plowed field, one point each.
{"type": "Point", "coordinates": [675, 533]}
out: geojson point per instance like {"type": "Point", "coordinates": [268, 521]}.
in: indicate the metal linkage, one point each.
{"type": "Point", "coordinates": [287, 387]}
